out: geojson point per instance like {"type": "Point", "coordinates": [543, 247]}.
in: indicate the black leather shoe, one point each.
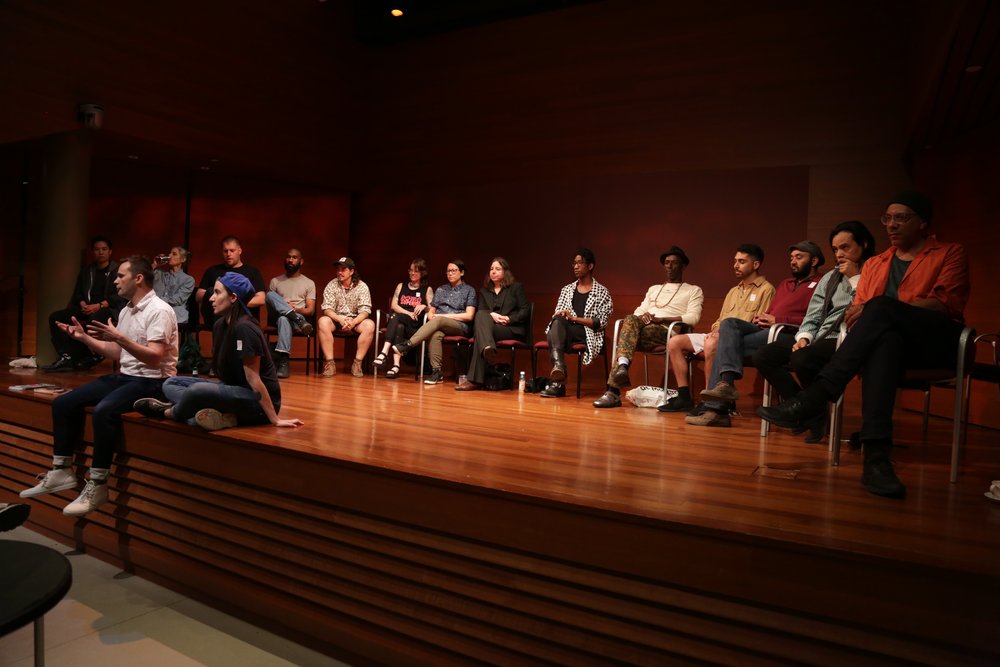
{"type": "Point", "coordinates": [879, 478]}
{"type": "Point", "coordinates": [490, 355]}
{"type": "Point", "coordinates": [402, 348]}
{"type": "Point", "coordinates": [609, 400]}
{"type": "Point", "coordinates": [553, 390]}
{"type": "Point", "coordinates": [793, 413]}
{"type": "Point", "coordinates": [63, 364]}
{"type": "Point", "coordinates": [676, 404]}
{"type": "Point", "coordinates": [619, 377]}
{"type": "Point", "coordinates": [817, 431]}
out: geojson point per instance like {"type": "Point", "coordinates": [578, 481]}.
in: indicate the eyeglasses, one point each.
{"type": "Point", "coordinates": [451, 271]}
{"type": "Point", "coordinates": [898, 218]}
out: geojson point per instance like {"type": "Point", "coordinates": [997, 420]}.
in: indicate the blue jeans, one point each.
{"type": "Point", "coordinates": [111, 396]}
{"type": "Point", "coordinates": [191, 394]}
{"type": "Point", "coordinates": [277, 304]}
{"type": "Point", "coordinates": [737, 339]}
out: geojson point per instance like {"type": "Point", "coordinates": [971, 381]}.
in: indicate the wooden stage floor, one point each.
{"type": "Point", "coordinates": [638, 469]}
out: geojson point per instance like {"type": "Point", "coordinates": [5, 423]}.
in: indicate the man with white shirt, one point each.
{"type": "Point", "coordinates": [145, 346]}
{"type": "Point", "coordinates": [672, 301]}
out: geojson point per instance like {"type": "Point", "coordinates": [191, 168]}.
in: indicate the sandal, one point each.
{"type": "Point", "coordinates": [379, 360]}
{"type": "Point", "coordinates": [392, 373]}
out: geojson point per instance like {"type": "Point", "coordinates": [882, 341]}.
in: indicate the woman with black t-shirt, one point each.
{"type": "Point", "coordinates": [249, 393]}
{"type": "Point", "coordinates": [409, 302]}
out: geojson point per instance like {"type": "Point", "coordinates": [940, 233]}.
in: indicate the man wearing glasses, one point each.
{"type": "Point", "coordinates": [450, 312]}
{"type": "Point", "coordinates": [907, 313]}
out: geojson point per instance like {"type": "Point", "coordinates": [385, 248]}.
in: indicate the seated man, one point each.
{"type": "Point", "coordinates": [739, 338]}
{"type": "Point", "coordinates": [291, 298]}
{"type": "Point", "coordinates": [450, 314]}
{"type": "Point", "coordinates": [582, 313]}
{"type": "Point", "coordinates": [816, 339]}
{"type": "Point", "coordinates": [145, 345]}
{"type": "Point", "coordinates": [94, 298]}
{"type": "Point", "coordinates": [907, 313]}
{"type": "Point", "coordinates": [672, 301]}
{"type": "Point", "coordinates": [347, 306]}
{"type": "Point", "coordinates": [232, 260]}
{"type": "Point", "coordinates": [751, 296]}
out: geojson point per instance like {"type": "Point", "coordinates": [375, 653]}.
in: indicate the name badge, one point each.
{"type": "Point", "coordinates": [812, 285]}
{"type": "Point", "coordinates": [753, 297]}
{"type": "Point", "coordinates": [239, 345]}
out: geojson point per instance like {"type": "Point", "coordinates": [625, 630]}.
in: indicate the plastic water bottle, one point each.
{"type": "Point", "coordinates": [520, 384]}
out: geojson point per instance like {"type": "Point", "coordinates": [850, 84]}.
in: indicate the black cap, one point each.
{"type": "Point", "coordinates": [675, 250]}
{"type": "Point", "coordinates": [811, 248]}
{"type": "Point", "coordinates": [919, 203]}
{"type": "Point", "coordinates": [345, 261]}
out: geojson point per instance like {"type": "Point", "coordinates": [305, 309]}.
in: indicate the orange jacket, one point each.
{"type": "Point", "coordinates": [939, 271]}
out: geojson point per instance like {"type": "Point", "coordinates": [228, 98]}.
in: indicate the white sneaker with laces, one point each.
{"type": "Point", "coordinates": [58, 479]}
{"type": "Point", "coordinates": [92, 497]}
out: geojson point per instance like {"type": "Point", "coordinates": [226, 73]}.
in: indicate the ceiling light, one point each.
{"type": "Point", "coordinates": [133, 157]}
{"type": "Point", "coordinates": [973, 69]}
{"type": "Point", "coordinates": [396, 12]}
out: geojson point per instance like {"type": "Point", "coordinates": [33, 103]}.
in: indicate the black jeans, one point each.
{"type": "Point", "coordinates": [772, 362]}
{"type": "Point", "coordinates": [887, 339]}
{"type": "Point", "coordinates": [111, 396]}
{"type": "Point", "coordinates": [63, 343]}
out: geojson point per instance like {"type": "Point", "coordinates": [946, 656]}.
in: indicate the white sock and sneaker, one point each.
{"type": "Point", "coordinates": [61, 478]}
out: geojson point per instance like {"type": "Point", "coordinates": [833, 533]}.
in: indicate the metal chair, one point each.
{"type": "Point", "coordinates": [923, 379]}
{"type": "Point", "coordinates": [772, 335]}
{"type": "Point", "coordinates": [673, 329]}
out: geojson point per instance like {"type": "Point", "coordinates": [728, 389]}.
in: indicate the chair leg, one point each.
{"type": "Point", "coordinates": [579, 373]}
{"type": "Point", "coordinates": [765, 402]}
{"type": "Point", "coordinates": [927, 409]}
{"type": "Point", "coordinates": [836, 414]}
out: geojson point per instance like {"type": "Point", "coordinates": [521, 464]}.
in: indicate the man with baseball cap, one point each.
{"type": "Point", "coordinates": [347, 306]}
{"type": "Point", "coordinates": [908, 312]}
{"type": "Point", "coordinates": [739, 338]}
{"type": "Point", "coordinates": [672, 301]}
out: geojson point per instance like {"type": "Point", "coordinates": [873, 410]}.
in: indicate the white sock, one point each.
{"type": "Point", "coordinates": [99, 474]}
{"type": "Point", "coordinates": [622, 361]}
{"type": "Point", "coordinates": [62, 461]}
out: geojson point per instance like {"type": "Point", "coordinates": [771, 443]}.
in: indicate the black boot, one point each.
{"type": "Point", "coordinates": [877, 476]}
{"type": "Point", "coordinates": [558, 359]}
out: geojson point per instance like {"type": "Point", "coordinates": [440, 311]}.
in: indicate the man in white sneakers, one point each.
{"type": "Point", "coordinates": [145, 346]}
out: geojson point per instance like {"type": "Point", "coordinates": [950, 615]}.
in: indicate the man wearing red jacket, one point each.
{"type": "Point", "coordinates": [907, 313]}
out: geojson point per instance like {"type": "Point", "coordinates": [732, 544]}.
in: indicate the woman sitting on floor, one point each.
{"type": "Point", "coordinates": [249, 393]}
{"type": "Point", "coordinates": [409, 302]}
{"type": "Point", "coordinates": [503, 313]}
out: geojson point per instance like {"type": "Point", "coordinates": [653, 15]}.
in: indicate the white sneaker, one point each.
{"type": "Point", "coordinates": [93, 496]}
{"type": "Point", "coordinates": [59, 479]}
{"type": "Point", "coordinates": [211, 419]}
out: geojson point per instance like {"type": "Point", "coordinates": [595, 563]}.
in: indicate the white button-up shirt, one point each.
{"type": "Point", "coordinates": [151, 320]}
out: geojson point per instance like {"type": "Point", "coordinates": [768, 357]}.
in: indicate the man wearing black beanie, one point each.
{"type": "Point", "coordinates": [907, 313]}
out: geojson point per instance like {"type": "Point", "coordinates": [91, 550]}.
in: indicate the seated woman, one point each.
{"type": "Point", "coordinates": [249, 393]}
{"type": "Point", "coordinates": [503, 312]}
{"type": "Point", "coordinates": [582, 312]}
{"type": "Point", "coordinates": [409, 301]}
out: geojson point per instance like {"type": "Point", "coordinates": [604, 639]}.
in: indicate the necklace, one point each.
{"type": "Point", "coordinates": [656, 300]}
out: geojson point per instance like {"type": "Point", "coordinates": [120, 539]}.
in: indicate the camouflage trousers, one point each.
{"type": "Point", "coordinates": [634, 334]}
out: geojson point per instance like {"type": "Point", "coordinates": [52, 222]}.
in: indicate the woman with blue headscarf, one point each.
{"type": "Point", "coordinates": [248, 392]}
